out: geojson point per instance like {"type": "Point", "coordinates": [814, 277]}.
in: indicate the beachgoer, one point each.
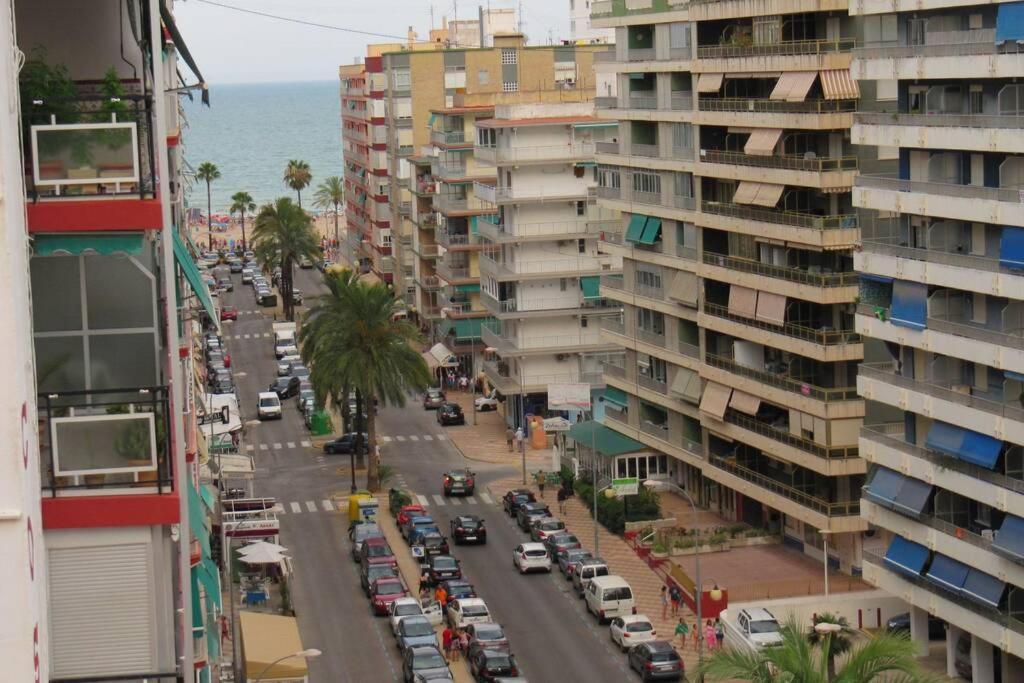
{"type": "Point", "coordinates": [663, 597]}
{"type": "Point", "coordinates": [446, 642]}
{"type": "Point", "coordinates": [520, 445]}
{"type": "Point", "coordinates": [676, 596]}
{"type": "Point", "coordinates": [719, 633]}
{"type": "Point", "coordinates": [709, 634]}
{"type": "Point", "coordinates": [681, 632]}
{"type": "Point", "coordinates": [510, 436]}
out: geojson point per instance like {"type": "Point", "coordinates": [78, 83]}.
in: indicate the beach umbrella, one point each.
{"type": "Point", "coordinates": [262, 555]}
{"type": "Point", "coordinates": [250, 547]}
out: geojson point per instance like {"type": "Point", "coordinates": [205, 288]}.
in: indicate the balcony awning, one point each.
{"type": "Point", "coordinates": [883, 487]}
{"type": "Point", "coordinates": [913, 496]}
{"type": "Point", "coordinates": [197, 519]}
{"type": "Point", "coordinates": [837, 84]}
{"type": "Point", "coordinates": [744, 402]}
{"type": "Point", "coordinates": [443, 356]}
{"type": "Point", "coordinates": [1009, 540]}
{"type": "Point", "coordinates": [636, 227]}
{"type": "Point", "coordinates": [179, 43]}
{"type": "Point", "coordinates": [793, 86]}
{"type": "Point", "coordinates": [715, 399]}
{"type": "Point", "coordinates": [685, 287]}
{"type": "Point", "coordinates": [605, 440]}
{"type": "Point", "coordinates": [591, 287]}
{"type": "Point", "coordinates": [267, 641]}
{"type": "Point", "coordinates": [909, 304]}
{"type": "Point", "coordinates": [771, 308]}
{"type": "Point", "coordinates": [431, 362]}
{"type": "Point", "coordinates": [967, 445]}
{"type": "Point", "coordinates": [468, 288]}
{"type": "Point", "coordinates": [195, 280]}
{"type": "Point", "coordinates": [762, 141]}
{"type": "Point", "coordinates": [906, 556]}
{"type": "Point", "coordinates": [947, 573]}
{"type": "Point", "coordinates": [710, 82]}
{"type": "Point", "coordinates": [652, 230]}
{"type": "Point", "coordinates": [1011, 245]}
{"type": "Point", "coordinates": [983, 588]}
{"type": "Point", "coordinates": [758, 194]}
{"type": "Point", "coordinates": [1010, 22]}
{"type": "Point", "coordinates": [463, 330]}
{"type": "Point", "coordinates": [90, 245]}
{"type": "Point", "coordinates": [686, 385]}
{"type": "Point", "coordinates": [616, 396]}
{"type": "Point", "coordinates": [742, 301]}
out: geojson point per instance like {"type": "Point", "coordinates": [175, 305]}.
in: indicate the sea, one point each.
{"type": "Point", "coordinates": [250, 131]}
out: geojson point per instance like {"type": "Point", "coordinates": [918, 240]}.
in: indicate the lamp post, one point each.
{"type": "Point", "coordinates": [608, 493]}
{"type": "Point", "coordinates": [824, 537]}
{"type": "Point", "coordinates": [302, 654]}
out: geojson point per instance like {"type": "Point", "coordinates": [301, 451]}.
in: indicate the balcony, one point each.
{"type": "Point", "coordinates": [781, 48]}
{"type": "Point", "coordinates": [705, 10]}
{"type": "Point", "coordinates": [946, 200]}
{"type": "Point", "coordinates": [940, 131]}
{"type": "Point", "coordinates": [541, 307]}
{"type": "Point", "coordinates": [106, 442]}
{"type": "Point", "coordinates": [453, 240]}
{"type": "Point", "coordinates": [504, 195]}
{"type": "Point", "coordinates": [555, 343]}
{"type": "Point", "coordinates": [454, 274]}
{"type": "Point", "coordinates": [789, 218]}
{"type": "Point", "coordinates": [427, 251]}
{"type": "Point", "coordinates": [430, 283]}
{"type": "Point", "coordinates": [449, 205]}
{"type": "Point", "coordinates": [568, 151]}
{"type": "Point", "coordinates": [784, 163]}
{"type": "Point", "coordinates": [823, 336]}
{"type": "Point", "coordinates": [543, 269]}
{"type": "Point", "coordinates": [448, 171]}
{"type": "Point", "coordinates": [798, 275]}
{"type": "Point", "coordinates": [450, 138]}
{"type": "Point", "coordinates": [781, 380]}
{"type": "Point", "coordinates": [764, 112]}
{"type": "Point", "coordinates": [681, 100]}
{"type": "Point", "coordinates": [784, 436]}
{"type": "Point", "coordinates": [936, 266]}
{"type": "Point", "coordinates": [592, 225]}
{"type": "Point", "coordinates": [973, 51]}
{"type": "Point", "coordinates": [510, 383]}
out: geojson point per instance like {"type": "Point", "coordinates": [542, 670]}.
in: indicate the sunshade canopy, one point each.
{"type": "Point", "coordinates": [267, 638]}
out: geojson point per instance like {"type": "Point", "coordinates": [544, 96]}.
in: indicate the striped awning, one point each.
{"type": "Point", "coordinates": [793, 86]}
{"type": "Point", "coordinates": [771, 308]}
{"type": "Point", "coordinates": [710, 82]}
{"type": "Point", "coordinates": [837, 84]}
{"type": "Point", "coordinates": [762, 141]}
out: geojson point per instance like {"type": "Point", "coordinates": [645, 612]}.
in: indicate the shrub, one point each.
{"type": "Point", "coordinates": [611, 512]}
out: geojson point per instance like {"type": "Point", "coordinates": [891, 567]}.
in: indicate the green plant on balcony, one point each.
{"type": "Point", "coordinates": [50, 86]}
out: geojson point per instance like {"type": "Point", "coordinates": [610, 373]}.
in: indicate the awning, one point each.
{"type": "Point", "coordinates": [744, 402]}
{"type": "Point", "coordinates": [1010, 22]}
{"type": "Point", "coordinates": [209, 576]}
{"type": "Point", "coordinates": [198, 519]}
{"type": "Point", "coordinates": [468, 288]}
{"type": "Point", "coordinates": [906, 556]}
{"type": "Point", "coordinates": [685, 287]}
{"type": "Point", "coordinates": [195, 280]}
{"type": "Point", "coordinates": [591, 287]}
{"type": "Point", "coordinates": [710, 82]}
{"type": "Point", "coordinates": [771, 308]}
{"type": "Point", "coordinates": [1011, 244]}
{"type": "Point", "coordinates": [909, 304]}
{"type": "Point", "coordinates": [1009, 540]}
{"type": "Point", "coordinates": [947, 572]}
{"type": "Point", "coordinates": [636, 227]}
{"type": "Point", "coordinates": [913, 496]}
{"type": "Point", "coordinates": [616, 396]}
{"type": "Point", "coordinates": [715, 399]}
{"type": "Point", "coordinates": [983, 588]}
{"type": "Point", "coordinates": [837, 84]}
{"type": "Point", "coordinates": [746, 193]}
{"type": "Point", "coordinates": [198, 619]}
{"type": "Point", "coordinates": [179, 43]}
{"type": "Point", "coordinates": [267, 638]}
{"type": "Point", "coordinates": [209, 496]}
{"type": "Point", "coordinates": [883, 487]}
{"type": "Point", "coordinates": [793, 86]}
{"type": "Point", "coordinates": [91, 245]}
{"type": "Point", "coordinates": [443, 357]}
{"type": "Point", "coordinates": [742, 301]}
{"type": "Point", "coordinates": [762, 141]}
{"type": "Point", "coordinates": [464, 329]}
{"type": "Point", "coordinates": [652, 230]}
{"type": "Point", "coordinates": [605, 440]}
{"type": "Point", "coordinates": [759, 194]}
{"type": "Point", "coordinates": [970, 446]}
{"type": "Point", "coordinates": [431, 362]}
{"type": "Point", "coordinates": [230, 465]}
{"type": "Point", "coordinates": [686, 385]}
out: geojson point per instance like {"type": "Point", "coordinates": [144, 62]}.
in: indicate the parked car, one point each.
{"type": "Point", "coordinates": [468, 529]}
{"type": "Point", "coordinates": [418, 535]}
{"type": "Point", "coordinates": [487, 636]}
{"type": "Point", "coordinates": [213, 358]}
{"type": "Point", "coordinates": [414, 521]}
{"type": "Point", "coordinates": [285, 387]}
{"type": "Point", "coordinates": [284, 364]}
{"type": "Point", "coordinates": [656, 661]}
{"type": "Point", "coordinates": [371, 572]}
{"type": "Point", "coordinates": [424, 662]}
{"type": "Point", "coordinates": [268, 406]}
{"type": "Point", "coordinates": [402, 608]}
{"type": "Point", "coordinates": [375, 550]}
{"type": "Point", "coordinates": [542, 527]}
{"type": "Point", "coordinates": [531, 557]}
{"type": "Point", "coordinates": [492, 665]}
{"type": "Point", "coordinates": [433, 399]}
{"type": "Point", "coordinates": [450, 414]}
{"type": "Point", "coordinates": [458, 589]}
{"type": "Point", "coordinates": [223, 384]}
{"type": "Point", "coordinates": [305, 262]}
{"type": "Point", "coordinates": [513, 499]}
{"type": "Point", "coordinates": [755, 628]}
{"type": "Point", "coordinates": [432, 541]}
{"type": "Point", "coordinates": [296, 297]}
{"type": "Point", "coordinates": [465, 611]}
{"type": "Point", "coordinates": [408, 511]}
{"type": "Point", "coordinates": [527, 512]}
{"type": "Point", "coordinates": [630, 630]}
{"type": "Point", "coordinates": [343, 445]}
{"type": "Point", "coordinates": [901, 622]}
{"type": "Point", "coordinates": [485, 403]}
{"type": "Point", "coordinates": [235, 265]}
{"type": "Point", "coordinates": [558, 542]}
{"type": "Point", "coordinates": [414, 632]}
{"type": "Point", "coordinates": [305, 400]}
{"type": "Point", "coordinates": [300, 371]}
{"type": "Point", "coordinates": [383, 592]}
{"type": "Point", "coordinates": [360, 533]}
{"type": "Point", "coordinates": [247, 274]}
{"type": "Point", "coordinates": [584, 573]}
{"type": "Point", "coordinates": [225, 284]}
{"type": "Point", "coordinates": [608, 597]}
{"type": "Point", "coordinates": [442, 567]}
{"type": "Point", "coordinates": [459, 481]}
{"type": "Point", "coordinates": [228, 313]}
{"type": "Point", "coordinates": [569, 558]}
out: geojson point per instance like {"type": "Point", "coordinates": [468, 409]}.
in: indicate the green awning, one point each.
{"type": "Point", "coordinates": [198, 618]}
{"type": "Point", "coordinates": [471, 287]}
{"type": "Point", "coordinates": [464, 330]}
{"type": "Point", "coordinates": [604, 440]}
{"type": "Point", "coordinates": [616, 395]}
{"type": "Point", "coordinates": [195, 279]}
{"type": "Point", "coordinates": [197, 519]}
{"type": "Point", "coordinates": [95, 245]}
{"type": "Point", "coordinates": [652, 230]}
{"type": "Point", "coordinates": [196, 251]}
{"type": "Point", "coordinates": [431, 119]}
{"type": "Point", "coordinates": [636, 227]}
{"type": "Point", "coordinates": [210, 578]}
{"type": "Point", "coordinates": [591, 286]}
{"type": "Point", "coordinates": [209, 496]}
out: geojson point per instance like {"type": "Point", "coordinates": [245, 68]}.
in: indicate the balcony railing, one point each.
{"type": "Point", "coordinates": [968, 43]}
{"type": "Point", "coordinates": [533, 342]}
{"type": "Point", "coordinates": [448, 137]}
{"type": "Point", "coordinates": [594, 223]}
{"type": "Point", "coordinates": [819, 505]}
{"type": "Point", "coordinates": [430, 282]}
{"type": "Point", "coordinates": [895, 246]}
{"type": "Point", "coordinates": [639, 54]}
{"type": "Point", "coordinates": [642, 100]}
{"type": "Point", "coordinates": [555, 267]}
{"type": "Point", "coordinates": [105, 440]}
{"type": "Point", "coordinates": [448, 170]}
{"type": "Point", "coordinates": [494, 194]}
{"type": "Point", "coordinates": [568, 150]}
{"type": "Point", "coordinates": [962, 328]}
{"type": "Point", "coordinates": [785, 437]}
{"type": "Point", "coordinates": [784, 163]}
{"type": "Point", "coordinates": [767, 106]}
{"type": "Point", "coordinates": [606, 102]}
{"type": "Point", "coordinates": [613, 282]}
{"type": "Point", "coordinates": [452, 272]}
{"type": "Point", "coordinates": [940, 120]}
{"type": "Point", "coordinates": [800, 276]}
{"type": "Point", "coordinates": [90, 146]}
{"type": "Point", "coordinates": [613, 325]}
{"type": "Point", "coordinates": [781, 381]}
{"type": "Point", "coordinates": [537, 305]}
{"type": "Point", "coordinates": [501, 370]}
{"type": "Point", "coordinates": [894, 184]}
{"type": "Point", "coordinates": [639, 149]}
{"type": "Point", "coordinates": [454, 239]}
{"type": "Point", "coordinates": [795, 219]}
{"type": "Point", "coordinates": [825, 337]}
{"type": "Point", "coordinates": [781, 48]}
{"type": "Point", "coordinates": [449, 204]}
{"type": "Point", "coordinates": [655, 385]}
{"type": "Point", "coordinates": [650, 337]}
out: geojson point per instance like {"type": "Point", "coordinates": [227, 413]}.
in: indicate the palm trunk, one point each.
{"type": "Point", "coordinates": [372, 466]}
{"type": "Point", "coordinates": [359, 428]}
{"type": "Point", "coordinates": [286, 288]}
{"type": "Point", "coordinates": [337, 242]}
{"type": "Point", "coordinates": [209, 217]}
{"type": "Point", "coordinates": [243, 230]}
{"type": "Point", "coordinates": [299, 194]}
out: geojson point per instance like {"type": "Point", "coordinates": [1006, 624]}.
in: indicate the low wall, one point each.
{"type": "Point", "coordinates": [863, 609]}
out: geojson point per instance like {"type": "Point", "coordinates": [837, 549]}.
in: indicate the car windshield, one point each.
{"type": "Point", "coordinates": [378, 571]}
{"type": "Point", "coordinates": [550, 526]}
{"type": "Point", "coordinates": [378, 550]}
{"type": "Point", "coordinates": [567, 539]}
{"type": "Point", "coordinates": [445, 563]}
{"type": "Point", "coordinates": [364, 531]}
{"type": "Point", "coordinates": [498, 662]}
{"type": "Point", "coordinates": [428, 660]}
{"type": "Point", "coordinates": [433, 393]}
{"type": "Point", "coordinates": [433, 540]}
{"type": "Point", "coordinates": [464, 590]}
{"type": "Point", "coordinates": [469, 524]}
{"type": "Point", "coordinates": [417, 627]}
{"type": "Point", "coordinates": [764, 627]}
{"type": "Point", "coordinates": [408, 609]}
{"type": "Point", "coordinates": [536, 553]}
{"type": "Point", "coordinates": [389, 588]}
{"type": "Point", "coordinates": [639, 627]}
{"type": "Point", "coordinates": [474, 610]}
{"type": "Point", "coordinates": [489, 632]}
{"type": "Point", "coordinates": [265, 402]}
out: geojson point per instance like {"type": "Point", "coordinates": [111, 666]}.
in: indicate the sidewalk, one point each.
{"type": "Point", "coordinates": [485, 442]}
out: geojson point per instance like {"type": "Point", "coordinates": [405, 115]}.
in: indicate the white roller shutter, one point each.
{"type": "Point", "coordinates": [102, 610]}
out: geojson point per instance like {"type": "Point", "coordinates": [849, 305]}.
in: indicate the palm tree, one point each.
{"type": "Point", "coordinates": [297, 176]}
{"type": "Point", "coordinates": [283, 235]}
{"type": "Point", "coordinates": [240, 203]}
{"type": "Point", "coordinates": [209, 172]}
{"type": "Point", "coordinates": [331, 192]}
{"type": "Point", "coordinates": [797, 660]}
{"type": "Point", "coordinates": [351, 340]}
{"type": "Point", "coordinates": [838, 642]}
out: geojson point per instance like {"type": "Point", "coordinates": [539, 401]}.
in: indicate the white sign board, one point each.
{"type": "Point", "coordinates": [556, 424]}
{"type": "Point", "coordinates": [568, 397]}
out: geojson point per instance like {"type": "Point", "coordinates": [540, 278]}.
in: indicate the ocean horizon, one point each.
{"type": "Point", "coordinates": [251, 131]}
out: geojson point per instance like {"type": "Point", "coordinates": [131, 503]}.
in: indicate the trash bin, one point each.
{"type": "Point", "coordinates": [320, 424]}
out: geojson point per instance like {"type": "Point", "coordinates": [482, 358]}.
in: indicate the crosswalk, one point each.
{"type": "Point", "coordinates": [278, 446]}
{"type": "Point", "coordinates": [254, 335]}
{"type": "Point", "coordinates": [401, 438]}
{"type": "Point", "coordinates": [296, 507]}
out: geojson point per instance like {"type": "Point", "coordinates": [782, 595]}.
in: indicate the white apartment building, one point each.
{"type": "Point", "coordinates": [540, 267]}
{"type": "Point", "coordinates": [580, 27]}
{"type": "Point", "coordinates": [941, 306]}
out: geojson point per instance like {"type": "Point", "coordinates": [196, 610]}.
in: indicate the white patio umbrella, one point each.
{"type": "Point", "coordinates": [262, 555]}
{"type": "Point", "coordinates": [249, 547]}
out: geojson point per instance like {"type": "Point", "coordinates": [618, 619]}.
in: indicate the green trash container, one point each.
{"type": "Point", "coordinates": [321, 423]}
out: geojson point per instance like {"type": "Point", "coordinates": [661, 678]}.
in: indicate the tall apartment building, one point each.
{"type": "Point", "coordinates": [540, 268]}
{"type": "Point", "coordinates": [941, 301]}
{"type": "Point", "coordinates": [581, 29]}
{"type": "Point", "coordinates": [110, 531]}
{"type": "Point", "coordinates": [733, 169]}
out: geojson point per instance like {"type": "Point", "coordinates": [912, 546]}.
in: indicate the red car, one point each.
{"type": "Point", "coordinates": [408, 511]}
{"type": "Point", "coordinates": [385, 591]}
{"type": "Point", "coordinates": [229, 313]}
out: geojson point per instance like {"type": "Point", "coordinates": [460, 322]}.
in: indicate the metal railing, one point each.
{"type": "Point", "coordinates": [546, 266]}
{"type": "Point", "coordinates": [539, 305]}
{"type": "Point", "coordinates": [649, 337]}
{"type": "Point", "coordinates": [658, 431]}
{"type": "Point", "coordinates": [586, 225]}
{"type": "Point", "coordinates": [967, 43]}
{"type": "Point", "coordinates": [613, 325]}
{"type": "Point", "coordinates": [651, 383]}
{"type": "Point", "coordinates": [761, 105]}
{"type": "Point", "coordinates": [940, 120]}
{"type": "Point", "coordinates": [781, 48]}
{"type": "Point", "coordinates": [430, 282]}
{"type": "Point", "coordinates": [451, 272]}
{"type": "Point", "coordinates": [454, 239]}
{"type": "Point", "coordinates": [794, 330]}
{"type": "Point", "coordinates": [785, 163]}
{"type": "Point", "coordinates": [896, 246]}
{"type": "Point", "coordinates": [446, 170]}
{"type": "Point", "coordinates": [751, 424]}
{"type": "Point", "coordinates": [894, 184]}
{"type": "Point", "coordinates": [793, 218]}
{"type": "Point", "coordinates": [830, 509]}
{"type": "Point", "coordinates": [554, 341]}
{"type": "Point", "coordinates": [447, 203]}
{"type": "Point", "coordinates": [742, 265]}
{"type": "Point", "coordinates": [448, 137]}
{"type": "Point", "coordinates": [642, 100]}
{"type": "Point", "coordinates": [781, 381]}
{"type": "Point", "coordinates": [494, 194]}
{"type": "Point", "coordinates": [640, 149]}
{"type": "Point", "coordinates": [606, 102]}
{"type": "Point", "coordinates": [568, 150]}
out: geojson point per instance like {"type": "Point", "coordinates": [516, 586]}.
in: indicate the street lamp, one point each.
{"type": "Point", "coordinates": [608, 493]}
{"type": "Point", "coordinates": [303, 654]}
{"type": "Point", "coordinates": [824, 537]}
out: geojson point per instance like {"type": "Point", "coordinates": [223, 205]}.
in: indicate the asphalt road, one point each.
{"type": "Point", "coordinates": [551, 634]}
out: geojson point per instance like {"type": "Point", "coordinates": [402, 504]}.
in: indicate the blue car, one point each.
{"type": "Point", "coordinates": [413, 522]}
{"type": "Point", "coordinates": [417, 534]}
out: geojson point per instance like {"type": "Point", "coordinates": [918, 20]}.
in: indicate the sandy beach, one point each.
{"type": "Point", "coordinates": [229, 233]}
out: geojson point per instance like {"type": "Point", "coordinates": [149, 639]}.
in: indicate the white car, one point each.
{"type": "Point", "coordinates": [631, 629]}
{"type": "Point", "coordinates": [284, 365]}
{"type": "Point", "coordinates": [402, 608]}
{"type": "Point", "coordinates": [531, 556]}
{"type": "Point", "coordinates": [465, 611]}
{"type": "Point", "coordinates": [268, 406]}
{"type": "Point", "coordinates": [247, 276]}
{"type": "Point", "coordinates": [485, 403]}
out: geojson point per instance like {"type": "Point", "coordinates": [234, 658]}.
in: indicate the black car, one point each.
{"type": "Point", "coordinates": [285, 386]}
{"type": "Point", "coordinates": [468, 529]}
{"type": "Point", "coordinates": [459, 481]}
{"type": "Point", "coordinates": [513, 499]}
{"type": "Point", "coordinates": [441, 568]}
{"type": "Point", "coordinates": [343, 444]}
{"type": "Point", "coordinates": [901, 622]}
{"type": "Point", "coordinates": [450, 414]}
{"type": "Point", "coordinates": [656, 660]}
{"type": "Point", "coordinates": [492, 665]}
{"type": "Point", "coordinates": [433, 543]}
{"type": "Point", "coordinates": [223, 386]}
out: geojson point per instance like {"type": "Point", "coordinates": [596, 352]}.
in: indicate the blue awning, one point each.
{"type": "Point", "coordinates": [909, 304]}
{"type": "Point", "coordinates": [981, 449]}
{"type": "Point", "coordinates": [906, 556]}
{"type": "Point", "coordinates": [1009, 540]}
{"type": "Point", "coordinates": [912, 497]}
{"type": "Point", "coordinates": [947, 573]}
{"type": "Point", "coordinates": [652, 230]}
{"type": "Point", "coordinates": [636, 227]}
{"type": "Point", "coordinates": [983, 588]}
{"type": "Point", "coordinates": [1011, 244]}
{"type": "Point", "coordinates": [945, 438]}
{"type": "Point", "coordinates": [876, 278]}
{"type": "Point", "coordinates": [1010, 374]}
{"type": "Point", "coordinates": [1010, 22]}
{"type": "Point", "coordinates": [884, 486]}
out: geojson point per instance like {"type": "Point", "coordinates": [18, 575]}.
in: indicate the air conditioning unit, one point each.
{"type": "Point", "coordinates": [988, 534]}
{"type": "Point", "coordinates": [561, 357]}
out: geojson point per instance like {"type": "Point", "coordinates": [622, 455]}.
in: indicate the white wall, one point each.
{"type": "Point", "coordinates": [867, 608]}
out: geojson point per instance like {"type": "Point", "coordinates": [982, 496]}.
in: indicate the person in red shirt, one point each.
{"type": "Point", "coordinates": [446, 642]}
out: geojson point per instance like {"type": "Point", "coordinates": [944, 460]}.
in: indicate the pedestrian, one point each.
{"type": "Point", "coordinates": [719, 633]}
{"type": "Point", "coordinates": [509, 437]}
{"type": "Point", "coordinates": [561, 500]}
{"type": "Point", "coordinates": [540, 482]}
{"type": "Point", "coordinates": [663, 597]}
{"type": "Point", "coordinates": [456, 644]}
{"type": "Point", "coordinates": [441, 595]}
{"type": "Point", "coordinates": [446, 642]}
{"type": "Point", "coordinates": [682, 630]}
{"type": "Point", "coordinates": [464, 383]}
{"type": "Point", "coordinates": [464, 642]}
{"type": "Point", "coordinates": [675, 596]}
{"type": "Point", "coordinates": [709, 634]}
{"type": "Point", "coordinates": [519, 439]}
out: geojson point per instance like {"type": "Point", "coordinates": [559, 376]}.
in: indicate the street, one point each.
{"type": "Point", "coordinates": [551, 634]}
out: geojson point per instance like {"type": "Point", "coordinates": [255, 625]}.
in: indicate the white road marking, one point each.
{"type": "Point", "coordinates": [438, 499]}
{"type": "Point", "coordinates": [291, 444]}
{"type": "Point", "coordinates": [441, 437]}
{"type": "Point", "coordinates": [311, 506]}
{"type": "Point", "coordinates": [414, 438]}
{"type": "Point", "coordinates": [241, 374]}
{"type": "Point", "coordinates": [252, 423]}
{"type": "Point", "coordinates": [249, 447]}
{"type": "Point", "coordinates": [237, 336]}
{"type": "Point", "coordinates": [422, 499]}
{"type": "Point", "coordinates": [470, 500]}
{"type": "Point", "coordinates": [245, 336]}
{"type": "Point", "coordinates": [306, 444]}
{"type": "Point", "coordinates": [486, 498]}
{"type": "Point", "coordinates": [266, 335]}
{"type": "Point", "coordinates": [456, 501]}
{"type": "Point", "coordinates": [263, 447]}
{"type": "Point", "coordinates": [400, 438]}
{"type": "Point", "coordinates": [327, 505]}
{"type": "Point", "coordinates": [385, 439]}
{"type": "Point", "coordinates": [428, 437]}
{"type": "Point", "coordinates": [295, 507]}
{"type": "Point", "coordinates": [277, 446]}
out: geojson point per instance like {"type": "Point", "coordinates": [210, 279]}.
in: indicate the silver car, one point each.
{"type": "Point", "coordinates": [284, 366]}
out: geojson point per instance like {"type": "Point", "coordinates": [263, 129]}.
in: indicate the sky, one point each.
{"type": "Point", "coordinates": [234, 47]}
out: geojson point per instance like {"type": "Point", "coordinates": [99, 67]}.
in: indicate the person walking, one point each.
{"type": "Point", "coordinates": [446, 642]}
{"type": "Point", "coordinates": [441, 595]}
{"type": "Point", "coordinates": [464, 642]}
{"type": "Point", "coordinates": [675, 596]}
{"type": "Point", "coordinates": [709, 634]}
{"type": "Point", "coordinates": [561, 500]}
{"type": "Point", "coordinates": [663, 596]}
{"type": "Point", "coordinates": [540, 482]}
{"type": "Point", "coordinates": [456, 644]}
{"type": "Point", "coordinates": [510, 436]}
{"type": "Point", "coordinates": [682, 630]}
{"type": "Point", "coordinates": [519, 439]}
{"type": "Point", "coordinates": [719, 633]}
{"type": "Point", "coordinates": [696, 635]}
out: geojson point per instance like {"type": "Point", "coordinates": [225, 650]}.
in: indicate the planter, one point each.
{"type": "Point", "coordinates": [663, 555]}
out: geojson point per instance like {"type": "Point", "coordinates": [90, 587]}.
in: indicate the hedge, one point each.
{"type": "Point", "coordinates": [611, 512]}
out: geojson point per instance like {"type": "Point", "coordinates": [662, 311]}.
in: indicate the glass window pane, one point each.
{"type": "Point", "coordinates": [118, 294]}
{"type": "Point", "coordinates": [100, 444]}
{"type": "Point", "coordinates": [123, 361]}
{"type": "Point", "coordinates": [60, 364]}
{"type": "Point", "coordinates": [56, 299]}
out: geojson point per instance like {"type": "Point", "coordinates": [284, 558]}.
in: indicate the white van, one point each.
{"type": "Point", "coordinates": [268, 406]}
{"type": "Point", "coordinates": [609, 596]}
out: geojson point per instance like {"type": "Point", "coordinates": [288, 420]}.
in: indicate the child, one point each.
{"type": "Point", "coordinates": [709, 634]}
{"type": "Point", "coordinates": [446, 642]}
{"type": "Point", "coordinates": [664, 601]}
{"type": "Point", "coordinates": [682, 630]}
{"type": "Point", "coordinates": [464, 642]}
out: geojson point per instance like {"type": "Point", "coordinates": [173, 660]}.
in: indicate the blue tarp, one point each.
{"type": "Point", "coordinates": [906, 556]}
{"type": "Point", "coordinates": [1011, 244]}
{"type": "Point", "coordinates": [909, 304]}
{"type": "Point", "coordinates": [983, 588]}
{"type": "Point", "coordinates": [947, 573]}
{"type": "Point", "coordinates": [1010, 22]}
{"type": "Point", "coordinates": [1009, 540]}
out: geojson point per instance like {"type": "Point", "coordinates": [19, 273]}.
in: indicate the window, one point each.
{"type": "Point", "coordinates": [1011, 99]}
{"type": "Point", "coordinates": [650, 321]}
{"type": "Point", "coordinates": [486, 137]}
{"type": "Point", "coordinates": [648, 278]}
{"type": "Point", "coordinates": [646, 181]}
{"type": "Point", "coordinates": [510, 86]}
{"type": "Point", "coordinates": [682, 136]}
{"type": "Point", "coordinates": [679, 34]}
{"type": "Point", "coordinates": [509, 56]}
{"type": "Point", "coordinates": [581, 208]}
{"type": "Point", "coordinates": [976, 100]}
{"type": "Point", "coordinates": [581, 245]}
{"type": "Point", "coordinates": [684, 184]}
{"type": "Point", "coordinates": [400, 79]}
{"type": "Point", "coordinates": [562, 284]}
{"type": "Point", "coordinates": [609, 176]}
{"type": "Point", "coordinates": [483, 76]}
